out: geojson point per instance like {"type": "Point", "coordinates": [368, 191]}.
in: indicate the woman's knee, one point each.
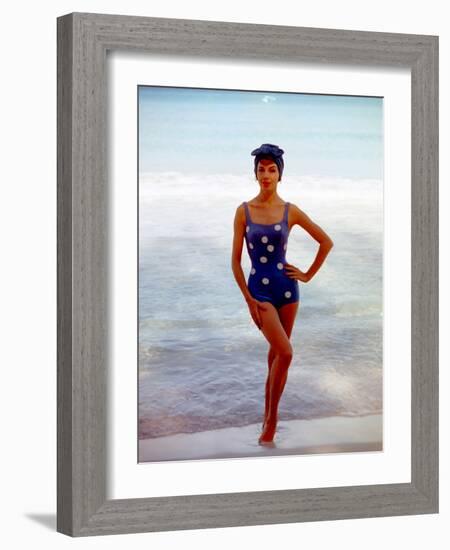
{"type": "Point", "coordinates": [285, 353]}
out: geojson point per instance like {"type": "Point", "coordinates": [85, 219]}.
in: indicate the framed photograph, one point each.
{"type": "Point", "coordinates": [201, 385]}
{"type": "Point", "coordinates": [174, 410]}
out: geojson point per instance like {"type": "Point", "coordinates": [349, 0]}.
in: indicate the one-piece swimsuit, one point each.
{"type": "Point", "coordinates": [266, 246]}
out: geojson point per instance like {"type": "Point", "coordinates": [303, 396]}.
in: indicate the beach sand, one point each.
{"type": "Point", "coordinates": [293, 437]}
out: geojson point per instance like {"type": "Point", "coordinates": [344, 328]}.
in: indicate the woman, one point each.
{"type": "Point", "coordinates": [272, 293]}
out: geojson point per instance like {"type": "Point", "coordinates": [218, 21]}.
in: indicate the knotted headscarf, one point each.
{"type": "Point", "coordinates": [268, 150]}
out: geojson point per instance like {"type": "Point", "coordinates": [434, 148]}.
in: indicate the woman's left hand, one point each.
{"type": "Point", "coordinates": [294, 273]}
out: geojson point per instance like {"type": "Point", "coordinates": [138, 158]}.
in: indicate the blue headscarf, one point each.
{"type": "Point", "coordinates": [268, 150]}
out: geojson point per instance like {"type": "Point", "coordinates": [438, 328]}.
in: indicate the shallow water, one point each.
{"type": "Point", "coordinates": [202, 361]}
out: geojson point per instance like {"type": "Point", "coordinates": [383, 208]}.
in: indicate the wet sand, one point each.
{"type": "Point", "coordinates": [293, 437]}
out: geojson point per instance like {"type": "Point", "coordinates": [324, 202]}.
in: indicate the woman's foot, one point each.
{"type": "Point", "coordinates": [268, 433]}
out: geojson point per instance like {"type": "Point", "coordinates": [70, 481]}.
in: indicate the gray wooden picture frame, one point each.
{"type": "Point", "coordinates": [83, 41]}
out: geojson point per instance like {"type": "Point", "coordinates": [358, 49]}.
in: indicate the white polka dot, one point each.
{"type": "Point", "coordinates": [265, 281]}
{"type": "Point", "coordinates": [251, 246]}
{"type": "Point", "coordinates": [264, 239]}
{"type": "Point", "coordinates": [247, 228]}
{"type": "Point", "coordinates": [263, 260]}
{"type": "Point", "coordinates": [280, 265]}
{"type": "Point", "coordinates": [287, 294]}
{"type": "Point", "coordinates": [277, 227]}
{"type": "Point", "coordinates": [285, 246]}
{"type": "Point", "coordinates": [253, 271]}
{"type": "Point", "coordinates": [270, 248]}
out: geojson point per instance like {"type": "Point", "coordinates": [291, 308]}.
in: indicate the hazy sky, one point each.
{"type": "Point", "coordinates": [201, 131]}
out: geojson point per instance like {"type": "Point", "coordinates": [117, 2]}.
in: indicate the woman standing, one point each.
{"type": "Point", "coordinates": [272, 292]}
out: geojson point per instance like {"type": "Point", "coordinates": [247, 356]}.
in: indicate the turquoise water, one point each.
{"type": "Point", "coordinates": [197, 131]}
{"type": "Point", "coordinates": [202, 362]}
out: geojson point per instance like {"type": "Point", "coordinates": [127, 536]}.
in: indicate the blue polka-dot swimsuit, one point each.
{"type": "Point", "coordinates": [266, 245]}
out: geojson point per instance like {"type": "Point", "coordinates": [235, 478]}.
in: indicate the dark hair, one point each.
{"type": "Point", "coordinates": [271, 152]}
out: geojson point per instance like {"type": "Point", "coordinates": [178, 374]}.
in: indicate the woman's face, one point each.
{"type": "Point", "coordinates": [267, 174]}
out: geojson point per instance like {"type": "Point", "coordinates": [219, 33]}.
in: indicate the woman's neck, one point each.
{"type": "Point", "coordinates": [268, 199]}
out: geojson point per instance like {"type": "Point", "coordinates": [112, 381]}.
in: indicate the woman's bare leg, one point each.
{"type": "Point", "coordinates": [270, 358]}
{"type": "Point", "coordinates": [287, 316]}
{"type": "Point", "coordinates": [275, 334]}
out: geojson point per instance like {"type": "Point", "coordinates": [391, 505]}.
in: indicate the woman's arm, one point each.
{"type": "Point", "coordinates": [325, 245]}
{"type": "Point", "coordinates": [236, 254]}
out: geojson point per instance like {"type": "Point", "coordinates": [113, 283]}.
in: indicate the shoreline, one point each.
{"type": "Point", "coordinates": [293, 437]}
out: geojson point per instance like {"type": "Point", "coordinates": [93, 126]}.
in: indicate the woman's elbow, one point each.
{"type": "Point", "coordinates": [327, 243]}
{"type": "Point", "coordinates": [235, 263]}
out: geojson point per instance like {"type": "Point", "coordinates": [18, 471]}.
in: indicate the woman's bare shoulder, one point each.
{"type": "Point", "coordinates": [297, 215]}
{"type": "Point", "coordinates": [294, 207]}
{"type": "Point", "coordinates": [240, 213]}
{"type": "Point", "coordinates": [240, 209]}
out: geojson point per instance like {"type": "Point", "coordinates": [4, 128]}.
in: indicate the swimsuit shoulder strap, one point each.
{"type": "Point", "coordinates": [286, 211]}
{"type": "Point", "coordinates": [247, 214]}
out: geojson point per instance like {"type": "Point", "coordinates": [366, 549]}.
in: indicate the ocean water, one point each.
{"type": "Point", "coordinates": [202, 361]}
